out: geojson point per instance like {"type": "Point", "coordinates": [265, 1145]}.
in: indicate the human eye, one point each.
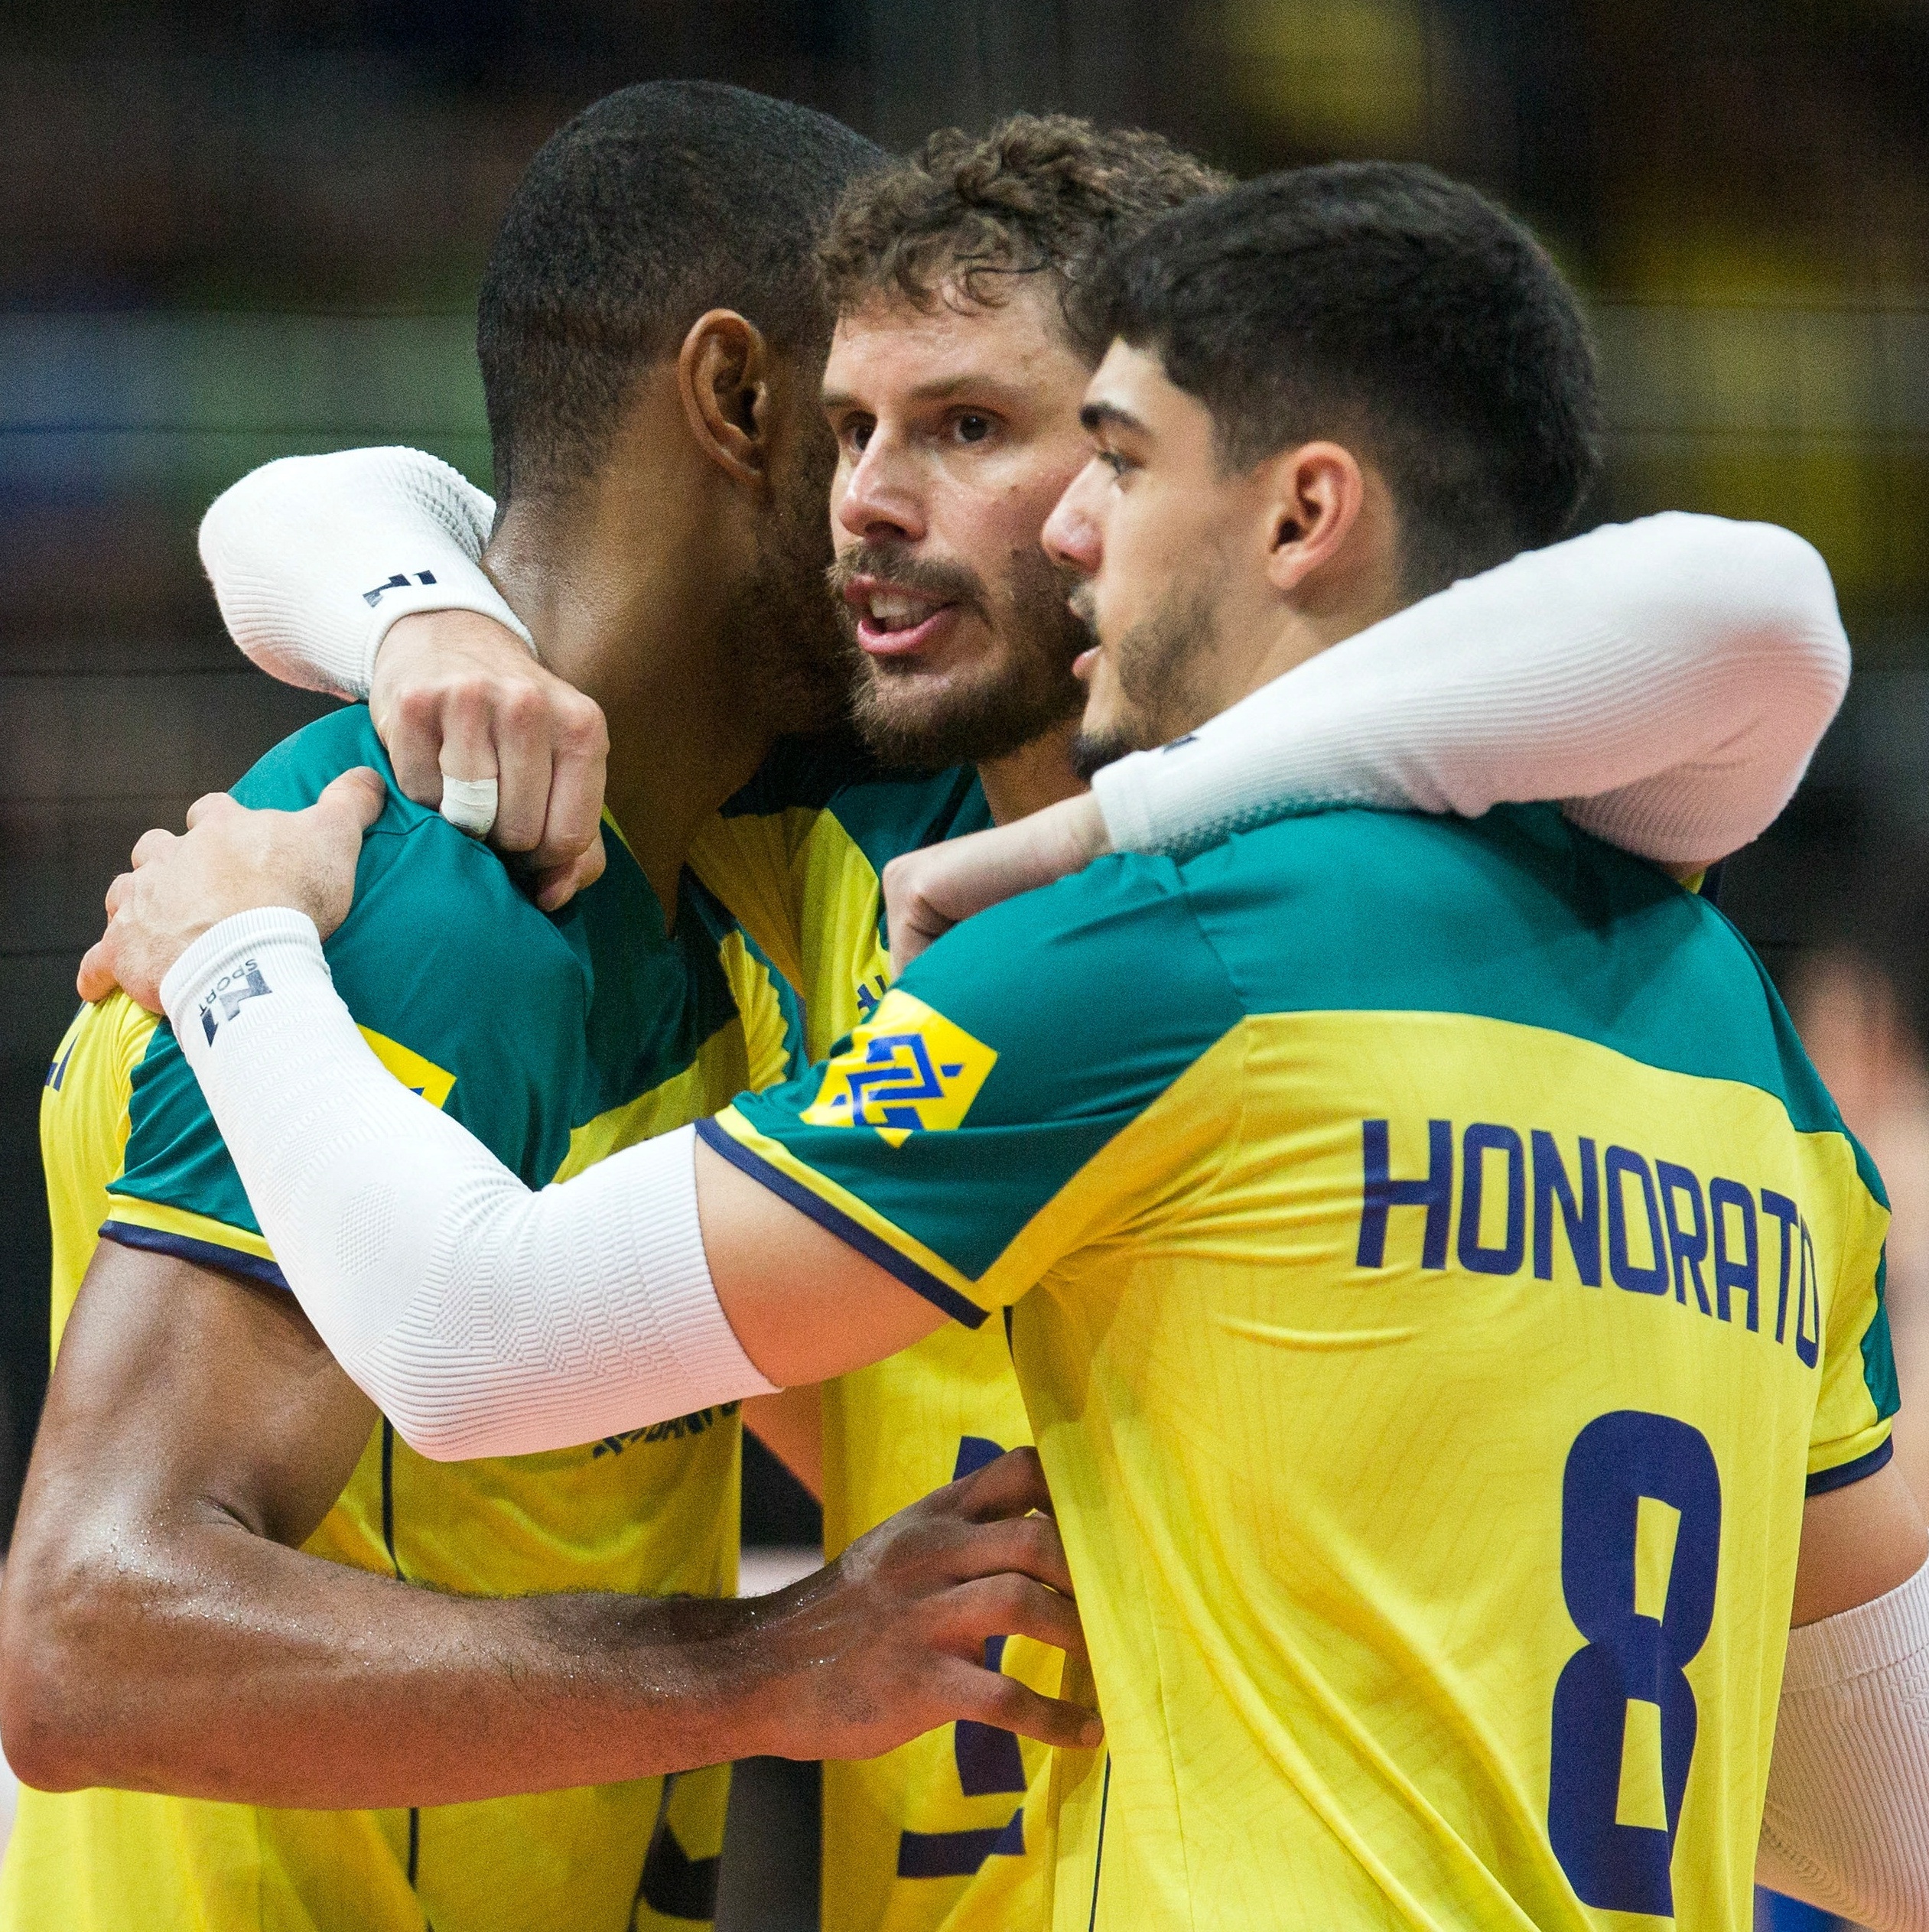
{"type": "Point", "coordinates": [973, 426]}
{"type": "Point", "coordinates": [854, 433]}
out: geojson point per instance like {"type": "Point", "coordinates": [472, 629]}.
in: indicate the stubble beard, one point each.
{"type": "Point", "coordinates": [978, 719]}
{"type": "Point", "coordinates": [1155, 663]}
{"type": "Point", "coordinates": [794, 664]}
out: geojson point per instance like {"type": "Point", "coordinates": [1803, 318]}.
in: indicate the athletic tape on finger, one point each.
{"type": "Point", "coordinates": [469, 804]}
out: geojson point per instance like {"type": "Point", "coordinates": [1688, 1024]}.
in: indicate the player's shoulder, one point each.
{"type": "Point", "coordinates": [1117, 945]}
{"type": "Point", "coordinates": [1517, 915]}
{"type": "Point", "coordinates": [441, 950]}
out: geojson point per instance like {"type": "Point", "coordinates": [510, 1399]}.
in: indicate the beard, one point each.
{"type": "Point", "coordinates": [1022, 693]}
{"type": "Point", "coordinates": [1156, 663]}
{"type": "Point", "coordinates": [789, 633]}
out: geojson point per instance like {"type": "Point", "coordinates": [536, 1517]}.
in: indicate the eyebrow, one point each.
{"type": "Point", "coordinates": [975, 383]}
{"type": "Point", "coordinates": [1097, 416]}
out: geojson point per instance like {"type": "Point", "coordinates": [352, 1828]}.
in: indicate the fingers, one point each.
{"type": "Point", "coordinates": [150, 846]}
{"type": "Point", "coordinates": [468, 757]}
{"type": "Point", "coordinates": [96, 980]}
{"type": "Point", "coordinates": [358, 796]}
{"type": "Point", "coordinates": [1012, 1486]}
{"type": "Point", "coordinates": [122, 885]}
{"type": "Point", "coordinates": [521, 723]}
{"type": "Point", "coordinates": [1025, 1546]}
{"type": "Point", "coordinates": [209, 805]}
{"type": "Point", "coordinates": [1009, 1606]}
{"type": "Point", "coordinates": [578, 775]}
{"type": "Point", "coordinates": [411, 730]}
{"type": "Point", "coordinates": [557, 886]}
{"type": "Point", "coordinates": [985, 1697]}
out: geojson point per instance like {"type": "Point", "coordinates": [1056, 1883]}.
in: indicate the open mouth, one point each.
{"type": "Point", "coordinates": [893, 622]}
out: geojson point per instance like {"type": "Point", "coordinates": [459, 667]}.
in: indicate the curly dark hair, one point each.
{"type": "Point", "coordinates": [1040, 194]}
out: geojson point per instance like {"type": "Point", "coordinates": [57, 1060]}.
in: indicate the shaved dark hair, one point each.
{"type": "Point", "coordinates": [657, 204]}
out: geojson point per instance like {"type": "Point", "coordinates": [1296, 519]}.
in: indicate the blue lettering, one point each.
{"type": "Point", "coordinates": [1807, 1346]}
{"type": "Point", "coordinates": [1621, 1162]}
{"type": "Point", "coordinates": [1480, 1140]}
{"type": "Point", "coordinates": [1583, 1224]}
{"type": "Point", "coordinates": [1382, 1192]}
{"type": "Point", "coordinates": [1729, 1274]}
{"type": "Point", "coordinates": [1687, 1247]}
{"type": "Point", "coordinates": [1784, 1210]}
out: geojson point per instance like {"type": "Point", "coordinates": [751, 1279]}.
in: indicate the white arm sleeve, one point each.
{"type": "Point", "coordinates": [483, 1320]}
{"type": "Point", "coordinates": [1668, 679]}
{"type": "Point", "coordinates": [312, 557]}
{"type": "Point", "coordinates": [1846, 1826]}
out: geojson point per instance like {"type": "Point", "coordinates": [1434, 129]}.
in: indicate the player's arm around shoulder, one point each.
{"type": "Point", "coordinates": [924, 1161]}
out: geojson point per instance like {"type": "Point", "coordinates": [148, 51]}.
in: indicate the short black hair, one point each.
{"type": "Point", "coordinates": [658, 202]}
{"type": "Point", "coordinates": [1381, 303]}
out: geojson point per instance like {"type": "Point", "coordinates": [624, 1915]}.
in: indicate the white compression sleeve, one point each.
{"type": "Point", "coordinates": [1668, 679]}
{"type": "Point", "coordinates": [312, 557]}
{"type": "Point", "coordinates": [1846, 1826]}
{"type": "Point", "coordinates": [483, 1320]}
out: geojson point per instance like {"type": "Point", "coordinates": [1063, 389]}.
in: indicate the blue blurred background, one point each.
{"type": "Point", "coordinates": [230, 229]}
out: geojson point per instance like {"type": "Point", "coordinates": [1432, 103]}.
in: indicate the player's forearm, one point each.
{"type": "Point", "coordinates": [211, 1663]}
{"type": "Point", "coordinates": [312, 557]}
{"type": "Point", "coordinates": [1675, 673]}
{"type": "Point", "coordinates": [1847, 1820]}
{"type": "Point", "coordinates": [484, 1320]}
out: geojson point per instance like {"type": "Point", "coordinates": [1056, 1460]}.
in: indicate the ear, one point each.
{"type": "Point", "coordinates": [723, 374]}
{"type": "Point", "coordinates": [1318, 494]}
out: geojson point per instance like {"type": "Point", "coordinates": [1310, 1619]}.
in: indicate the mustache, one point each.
{"type": "Point", "coordinates": [1079, 601]}
{"type": "Point", "coordinates": [944, 583]}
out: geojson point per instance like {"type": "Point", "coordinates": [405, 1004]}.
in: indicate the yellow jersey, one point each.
{"type": "Point", "coordinates": [556, 1041]}
{"type": "Point", "coordinates": [1436, 1277]}
{"type": "Point", "coordinates": [943, 1834]}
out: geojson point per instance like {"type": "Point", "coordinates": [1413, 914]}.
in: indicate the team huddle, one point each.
{"type": "Point", "coordinates": [1019, 855]}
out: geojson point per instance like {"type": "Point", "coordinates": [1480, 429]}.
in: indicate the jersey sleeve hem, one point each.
{"type": "Point", "coordinates": [1821, 1481]}
{"type": "Point", "coordinates": [209, 1243]}
{"type": "Point", "coordinates": [733, 1137]}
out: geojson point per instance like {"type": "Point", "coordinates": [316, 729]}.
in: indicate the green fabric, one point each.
{"type": "Point", "coordinates": [1100, 991]}
{"type": "Point", "coordinates": [545, 1022]}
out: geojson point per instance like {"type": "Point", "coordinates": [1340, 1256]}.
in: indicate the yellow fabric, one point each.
{"type": "Point", "coordinates": [654, 1512]}
{"type": "Point", "coordinates": [1318, 1506]}
{"type": "Point", "coordinates": [806, 892]}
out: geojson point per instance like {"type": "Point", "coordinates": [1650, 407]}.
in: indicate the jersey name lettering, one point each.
{"type": "Point", "coordinates": [1655, 1224]}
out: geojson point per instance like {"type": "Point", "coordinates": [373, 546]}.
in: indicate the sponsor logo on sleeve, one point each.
{"type": "Point", "coordinates": [906, 1070]}
{"type": "Point", "coordinates": [226, 994]}
{"type": "Point", "coordinates": [398, 582]}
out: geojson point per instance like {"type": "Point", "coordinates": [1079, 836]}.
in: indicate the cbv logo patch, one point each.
{"type": "Point", "coordinates": [907, 1070]}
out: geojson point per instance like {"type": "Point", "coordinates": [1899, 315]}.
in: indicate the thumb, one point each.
{"type": "Point", "coordinates": [358, 795]}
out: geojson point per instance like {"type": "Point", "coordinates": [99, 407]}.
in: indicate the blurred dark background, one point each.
{"type": "Point", "coordinates": [237, 229]}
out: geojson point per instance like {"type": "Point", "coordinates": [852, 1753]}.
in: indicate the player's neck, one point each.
{"type": "Point", "coordinates": [1035, 776]}
{"type": "Point", "coordinates": [1266, 637]}
{"type": "Point", "coordinates": [637, 627]}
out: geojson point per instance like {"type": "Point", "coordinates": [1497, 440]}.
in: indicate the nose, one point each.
{"type": "Point", "coordinates": [1071, 536]}
{"type": "Point", "coordinates": [877, 497]}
